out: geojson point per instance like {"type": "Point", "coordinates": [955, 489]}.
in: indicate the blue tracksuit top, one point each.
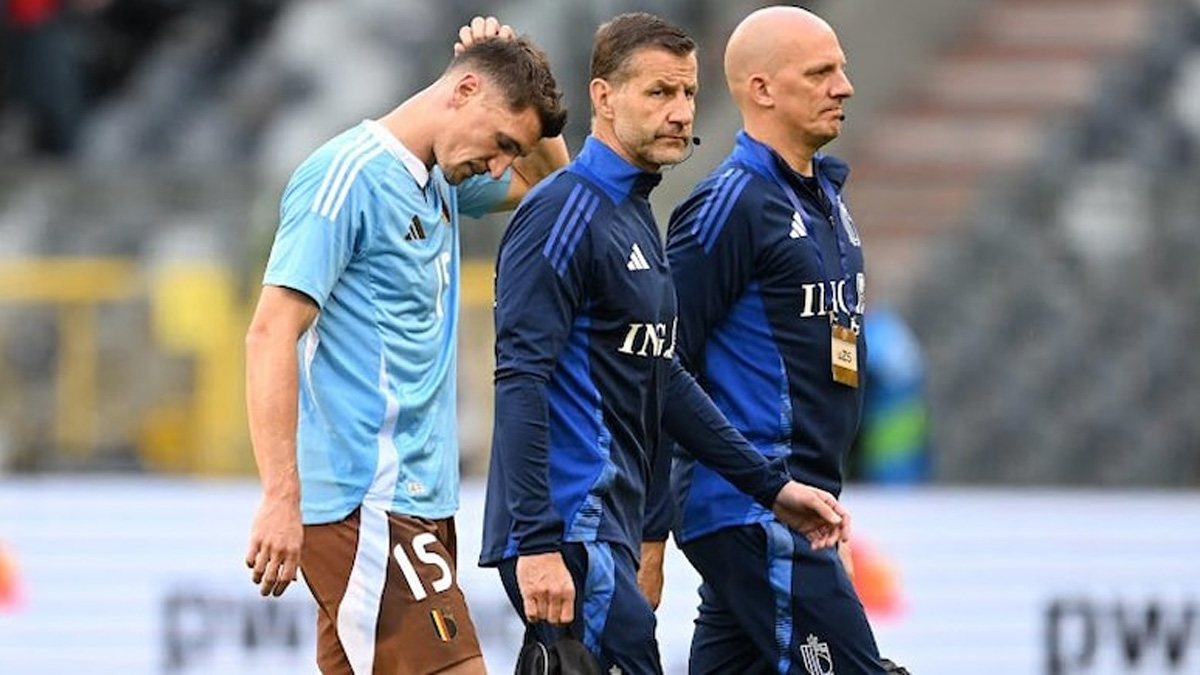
{"type": "Point", "coordinates": [760, 255]}
{"type": "Point", "coordinates": [586, 374]}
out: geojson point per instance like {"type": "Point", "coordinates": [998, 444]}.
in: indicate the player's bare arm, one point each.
{"type": "Point", "coordinates": [547, 156]}
{"type": "Point", "coordinates": [272, 387]}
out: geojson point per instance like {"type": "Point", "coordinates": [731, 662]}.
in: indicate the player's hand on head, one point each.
{"type": "Point", "coordinates": [481, 28]}
{"type": "Point", "coordinates": [814, 513]}
{"type": "Point", "coordinates": [547, 589]}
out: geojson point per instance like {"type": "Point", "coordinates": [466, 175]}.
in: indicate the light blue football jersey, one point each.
{"type": "Point", "coordinates": [372, 236]}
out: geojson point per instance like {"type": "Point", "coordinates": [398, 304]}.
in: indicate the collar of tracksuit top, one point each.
{"type": "Point", "coordinates": [769, 163]}
{"type": "Point", "coordinates": [613, 173]}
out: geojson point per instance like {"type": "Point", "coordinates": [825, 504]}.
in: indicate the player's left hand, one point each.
{"type": "Point", "coordinates": [814, 513]}
{"type": "Point", "coordinates": [481, 28]}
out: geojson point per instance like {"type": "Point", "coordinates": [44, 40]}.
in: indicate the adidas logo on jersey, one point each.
{"type": "Point", "coordinates": [416, 232]}
{"type": "Point", "coordinates": [637, 261]}
{"type": "Point", "coordinates": [798, 229]}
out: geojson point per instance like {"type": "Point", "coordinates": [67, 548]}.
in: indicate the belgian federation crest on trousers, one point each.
{"type": "Point", "coordinates": [816, 657]}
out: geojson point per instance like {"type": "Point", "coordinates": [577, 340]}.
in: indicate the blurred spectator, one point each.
{"type": "Point", "coordinates": [118, 35]}
{"type": "Point", "coordinates": [44, 74]}
{"type": "Point", "coordinates": [893, 444]}
{"type": "Point", "coordinates": [62, 59]}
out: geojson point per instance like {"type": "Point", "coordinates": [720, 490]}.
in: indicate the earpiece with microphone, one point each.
{"type": "Point", "coordinates": [691, 149]}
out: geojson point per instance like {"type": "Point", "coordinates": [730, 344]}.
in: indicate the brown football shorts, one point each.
{"type": "Point", "coordinates": [387, 594]}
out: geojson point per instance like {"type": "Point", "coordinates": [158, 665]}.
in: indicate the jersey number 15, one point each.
{"type": "Point", "coordinates": [420, 544]}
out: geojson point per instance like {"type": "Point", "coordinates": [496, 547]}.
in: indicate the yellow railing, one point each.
{"type": "Point", "coordinates": [75, 287]}
{"type": "Point", "coordinates": [197, 313]}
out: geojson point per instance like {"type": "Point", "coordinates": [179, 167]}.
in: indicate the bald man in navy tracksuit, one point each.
{"type": "Point", "coordinates": [769, 267]}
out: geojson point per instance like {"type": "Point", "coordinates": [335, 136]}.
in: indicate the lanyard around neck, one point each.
{"type": "Point", "coordinates": [830, 195]}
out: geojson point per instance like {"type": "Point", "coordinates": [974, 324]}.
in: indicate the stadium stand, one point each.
{"type": "Point", "coordinates": [1039, 191]}
{"type": "Point", "coordinates": [1024, 174]}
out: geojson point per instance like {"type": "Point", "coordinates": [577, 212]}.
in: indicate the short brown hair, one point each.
{"type": "Point", "coordinates": [522, 71]}
{"type": "Point", "coordinates": [618, 39]}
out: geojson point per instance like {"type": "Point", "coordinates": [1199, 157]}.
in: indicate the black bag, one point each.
{"type": "Point", "coordinates": [566, 656]}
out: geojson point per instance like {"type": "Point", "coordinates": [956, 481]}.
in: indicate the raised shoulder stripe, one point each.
{"type": "Point", "coordinates": [713, 195]}
{"type": "Point", "coordinates": [735, 192]}
{"type": "Point", "coordinates": [590, 206]}
{"type": "Point", "coordinates": [332, 169]}
{"type": "Point", "coordinates": [341, 172]}
{"type": "Point", "coordinates": [569, 227]}
{"type": "Point", "coordinates": [350, 178]}
{"type": "Point", "coordinates": [568, 208]}
{"type": "Point", "coordinates": [718, 204]}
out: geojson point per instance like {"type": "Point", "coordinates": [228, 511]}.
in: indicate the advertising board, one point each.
{"type": "Point", "coordinates": [147, 576]}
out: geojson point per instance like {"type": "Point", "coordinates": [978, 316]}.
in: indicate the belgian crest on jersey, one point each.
{"type": "Point", "coordinates": [848, 223]}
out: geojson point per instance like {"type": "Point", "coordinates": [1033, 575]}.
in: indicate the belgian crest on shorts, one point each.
{"type": "Point", "coordinates": [443, 625]}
